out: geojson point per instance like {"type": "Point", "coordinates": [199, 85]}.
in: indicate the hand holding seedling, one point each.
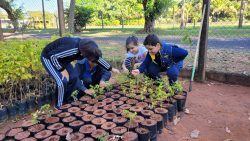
{"type": "Point", "coordinates": [103, 84]}
{"type": "Point", "coordinates": [135, 72]}
{"type": "Point", "coordinates": [89, 92]}
{"type": "Point", "coordinates": [65, 74]}
{"type": "Point", "coordinates": [115, 70]}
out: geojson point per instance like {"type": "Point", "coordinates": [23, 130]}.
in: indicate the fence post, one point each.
{"type": "Point", "coordinates": [203, 43]}
{"type": "Point", "coordinates": [44, 20]}
{"type": "Point", "coordinates": [1, 31]}
{"type": "Point", "coordinates": [61, 17]}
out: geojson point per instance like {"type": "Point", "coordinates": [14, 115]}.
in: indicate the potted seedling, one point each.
{"type": "Point", "coordinates": [179, 95]}
{"type": "Point", "coordinates": [3, 113]}
{"type": "Point", "coordinates": [40, 115]}
{"type": "Point", "coordinates": [131, 124]}
{"type": "Point", "coordinates": [97, 90]}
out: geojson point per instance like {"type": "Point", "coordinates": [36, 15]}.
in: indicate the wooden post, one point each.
{"type": "Point", "coordinates": [1, 31]}
{"type": "Point", "coordinates": [203, 43]}
{"type": "Point", "coordinates": [61, 17]}
{"type": "Point", "coordinates": [44, 20]}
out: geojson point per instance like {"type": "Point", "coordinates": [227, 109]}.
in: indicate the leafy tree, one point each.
{"type": "Point", "coordinates": [153, 9]}
{"type": "Point", "coordinates": [13, 13]}
{"type": "Point", "coordinates": [82, 16]}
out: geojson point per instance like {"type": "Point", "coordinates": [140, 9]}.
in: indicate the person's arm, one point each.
{"type": "Point", "coordinates": [144, 63]}
{"type": "Point", "coordinates": [79, 84]}
{"type": "Point", "coordinates": [62, 49]}
{"type": "Point", "coordinates": [178, 54]}
{"type": "Point", "coordinates": [104, 64]}
{"type": "Point", "coordinates": [123, 66]}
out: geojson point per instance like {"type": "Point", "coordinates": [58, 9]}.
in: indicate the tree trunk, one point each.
{"type": "Point", "coordinates": [44, 20]}
{"type": "Point", "coordinates": [1, 31]}
{"type": "Point", "coordinates": [102, 20]}
{"type": "Point", "coordinates": [194, 23]}
{"type": "Point", "coordinates": [61, 17]}
{"type": "Point", "coordinates": [122, 23]}
{"type": "Point", "coordinates": [149, 24]}
{"type": "Point", "coordinates": [173, 17]}
{"type": "Point", "coordinates": [242, 7]}
{"type": "Point", "coordinates": [7, 7]}
{"type": "Point", "coordinates": [72, 16]}
{"type": "Point", "coordinates": [182, 14]}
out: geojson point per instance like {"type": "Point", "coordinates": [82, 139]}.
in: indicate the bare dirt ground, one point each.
{"type": "Point", "coordinates": [213, 107]}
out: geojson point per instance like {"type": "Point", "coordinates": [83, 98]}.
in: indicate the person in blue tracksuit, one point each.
{"type": "Point", "coordinates": [161, 57]}
{"type": "Point", "coordinates": [57, 56]}
{"type": "Point", "coordinates": [90, 73]}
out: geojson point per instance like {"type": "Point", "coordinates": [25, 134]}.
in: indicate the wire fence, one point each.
{"type": "Point", "coordinates": [228, 45]}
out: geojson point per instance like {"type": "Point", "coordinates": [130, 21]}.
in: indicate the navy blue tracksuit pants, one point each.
{"type": "Point", "coordinates": [173, 71]}
{"type": "Point", "coordinates": [64, 87]}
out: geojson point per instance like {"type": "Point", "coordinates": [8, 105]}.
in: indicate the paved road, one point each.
{"type": "Point", "coordinates": [229, 43]}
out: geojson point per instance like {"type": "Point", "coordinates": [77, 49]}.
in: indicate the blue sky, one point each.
{"type": "Point", "coordinates": [36, 5]}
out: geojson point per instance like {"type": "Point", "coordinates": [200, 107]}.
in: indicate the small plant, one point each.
{"type": "Point", "coordinates": [74, 95]}
{"type": "Point", "coordinates": [109, 87]}
{"type": "Point", "coordinates": [45, 109]}
{"type": "Point", "coordinates": [177, 87]}
{"type": "Point", "coordinates": [129, 115]}
{"type": "Point", "coordinates": [97, 90]}
{"type": "Point", "coordinates": [103, 138]}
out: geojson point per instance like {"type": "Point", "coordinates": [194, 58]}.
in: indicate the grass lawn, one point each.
{"type": "Point", "coordinates": [215, 30]}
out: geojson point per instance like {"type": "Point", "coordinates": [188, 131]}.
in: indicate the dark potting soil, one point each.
{"type": "Point", "coordinates": [27, 124]}
{"type": "Point", "coordinates": [87, 129]}
{"type": "Point", "coordinates": [100, 97]}
{"type": "Point", "coordinates": [22, 135]}
{"type": "Point", "coordinates": [117, 111]}
{"type": "Point", "coordinates": [120, 121]}
{"type": "Point", "coordinates": [108, 100]}
{"type": "Point", "coordinates": [142, 104]}
{"type": "Point", "coordinates": [109, 108]}
{"type": "Point", "coordinates": [88, 139]}
{"type": "Point", "coordinates": [117, 103]}
{"type": "Point", "coordinates": [130, 136]}
{"type": "Point", "coordinates": [98, 121]}
{"type": "Point", "coordinates": [147, 113]}
{"type": "Point", "coordinates": [29, 139]}
{"type": "Point", "coordinates": [76, 103]}
{"type": "Point", "coordinates": [65, 107]}
{"type": "Point", "coordinates": [100, 104]}
{"type": "Point", "coordinates": [85, 98]}
{"type": "Point", "coordinates": [51, 120]}
{"type": "Point", "coordinates": [99, 112]}
{"type": "Point", "coordinates": [125, 106]}
{"type": "Point", "coordinates": [69, 119]}
{"type": "Point", "coordinates": [63, 115]}
{"type": "Point", "coordinates": [116, 96]}
{"type": "Point", "coordinates": [123, 99]}
{"type": "Point", "coordinates": [92, 101]}
{"type": "Point", "coordinates": [75, 125]}
{"type": "Point", "coordinates": [109, 116]}
{"type": "Point", "coordinates": [90, 109]}
{"type": "Point", "coordinates": [143, 134]}
{"type": "Point", "coordinates": [119, 130]}
{"type": "Point", "coordinates": [83, 106]}
{"type": "Point", "coordinates": [88, 118]}
{"type": "Point", "coordinates": [36, 128]}
{"type": "Point", "coordinates": [80, 114]}
{"type": "Point", "coordinates": [56, 126]}
{"type": "Point", "coordinates": [98, 133]}
{"type": "Point", "coordinates": [76, 136]}
{"type": "Point", "coordinates": [56, 112]}
{"type": "Point", "coordinates": [2, 137]}
{"type": "Point", "coordinates": [53, 138]}
{"type": "Point", "coordinates": [64, 131]}
{"type": "Point", "coordinates": [43, 134]}
{"type": "Point", "coordinates": [132, 101]}
{"type": "Point", "coordinates": [12, 132]}
{"type": "Point", "coordinates": [131, 125]}
{"type": "Point", "coordinates": [137, 109]}
{"type": "Point", "coordinates": [139, 119]}
{"type": "Point", "coordinates": [74, 110]}
{"type": "Point", "coordinates": [107, 126]}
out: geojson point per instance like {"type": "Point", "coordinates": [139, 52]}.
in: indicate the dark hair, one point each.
{"type": "Point", "coordinates": [131, 39]}
{"type": "Point", "coordinates": [152, 40]}
{"type": "Point", "coordinates": [89, 49]}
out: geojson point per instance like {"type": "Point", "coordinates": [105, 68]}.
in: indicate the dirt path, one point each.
{"type": "Point", "coordinates": [213, 107]}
